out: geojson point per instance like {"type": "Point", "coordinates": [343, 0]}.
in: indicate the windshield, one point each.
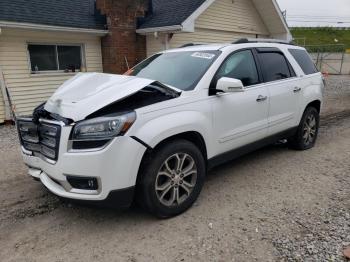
{"type": "Point", "coordinates": [182, 70]}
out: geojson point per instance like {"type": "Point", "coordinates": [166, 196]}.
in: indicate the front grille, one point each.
{"type": "Point", "coordinates": [42, 138]}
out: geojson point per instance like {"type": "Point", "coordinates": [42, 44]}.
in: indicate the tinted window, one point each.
{"type": "Point", "coordinates": [240, 66]}
{"type": "Point", "coordinates": [304, 60]}
{"type": "Point", "coordinates": [42, 57]}
{"type": "Point", "coordinates": [274, 66]}
{"type": "Point", "coordinates": [54, 58]}
{"type": "Point", "coordinates": [69, 57]}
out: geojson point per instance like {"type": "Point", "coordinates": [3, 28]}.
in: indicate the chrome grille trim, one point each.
{"type": "Point", "coordinates": [49, 134]}
{"type": "Point", "coordinates": [60, 123]}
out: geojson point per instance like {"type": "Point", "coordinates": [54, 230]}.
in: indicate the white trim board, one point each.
{"type": "Point", "coordinates": [168, 29]}
{"type": "Point", "coordinates": [189, 23]}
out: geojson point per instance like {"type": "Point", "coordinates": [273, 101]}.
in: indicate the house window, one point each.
{"type": "Point", "coordinates": [48, 58]}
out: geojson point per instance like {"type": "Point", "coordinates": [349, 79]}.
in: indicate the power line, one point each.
{"type": "Point", "coordinates": [318, 21]}
{"type": "Point", "coordinates": [321, 17]}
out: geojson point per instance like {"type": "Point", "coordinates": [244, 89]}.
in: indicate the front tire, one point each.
{"type": "Point", "coordinates": [307, 132]}
{"type": "Point", "coordinates": [171, 179]}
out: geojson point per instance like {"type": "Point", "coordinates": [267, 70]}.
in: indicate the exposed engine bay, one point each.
{"type": "Point", "coordinates": [151, 94]}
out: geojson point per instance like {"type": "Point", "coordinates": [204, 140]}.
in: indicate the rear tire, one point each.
{"type": "Point", "coordinates": [171, 179]}
{"type": "Point", "coordinates": [307, 132]}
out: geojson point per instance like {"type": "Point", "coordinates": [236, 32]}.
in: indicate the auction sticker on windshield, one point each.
{"type": "Point", "coordinates": [203, 55]}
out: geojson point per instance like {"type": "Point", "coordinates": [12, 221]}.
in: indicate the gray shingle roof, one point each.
{"type": "Point", "coordinates": [66, 13]}
{"type": "Point", "coordinates": [170, 12]}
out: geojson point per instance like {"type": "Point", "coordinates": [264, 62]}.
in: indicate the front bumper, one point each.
{"type": "Point", "coordinates": [115, 167]}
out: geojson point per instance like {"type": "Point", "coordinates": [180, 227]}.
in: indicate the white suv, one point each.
{"type": "Point", "coordinates": [152, 135]}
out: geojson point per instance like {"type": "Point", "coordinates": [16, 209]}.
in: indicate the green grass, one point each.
{"type": "Point", "coordinates": [322, 36]}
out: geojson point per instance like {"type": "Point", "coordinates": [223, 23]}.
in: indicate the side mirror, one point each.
{"type": "Point", "coordinates": [229, 85]}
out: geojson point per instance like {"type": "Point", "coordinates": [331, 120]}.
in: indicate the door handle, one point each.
{"type": "Point", "coordinates": [261, 98]}
{"type": "Point", "coordinates": [297, 89]}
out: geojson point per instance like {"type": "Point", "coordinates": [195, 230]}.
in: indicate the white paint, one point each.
{"type": "Point", "coordinates": [189, 23]}
{"type": "Point", "coordinates": [174, 28]}
{"type": "Point", "coordinates": [86, 93]}
{"type": "Point", "coordinates": [225, 121]}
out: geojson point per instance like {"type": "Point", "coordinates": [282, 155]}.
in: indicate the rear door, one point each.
{"type": "Point", "coordinates": [309, 77]}
{"type": "Point", "coordinates": [283, 87]}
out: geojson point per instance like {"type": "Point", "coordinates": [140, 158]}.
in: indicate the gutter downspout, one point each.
{"type": "Point", "coordinates": [166, 41]}
{"type": "Point", "coordinates": [4, 93]}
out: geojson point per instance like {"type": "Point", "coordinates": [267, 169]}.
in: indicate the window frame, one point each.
{"type": "Point", "coordinates": [214, 81]}
{"type": "Point", "coordinates": [58, 71]}
{"type": "Point", "coordinates": [274, 50]}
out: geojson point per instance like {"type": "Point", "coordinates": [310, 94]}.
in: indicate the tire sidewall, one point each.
{"type": "Point", "coordinates": [150, 172]}
{"type": "Point", "coordinates": [307, 113]}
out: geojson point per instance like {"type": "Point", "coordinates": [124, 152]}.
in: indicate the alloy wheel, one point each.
{"type": "Point", "coordinates": [176, 179]}
{"type": "Point", "coordinates": [310, 129]}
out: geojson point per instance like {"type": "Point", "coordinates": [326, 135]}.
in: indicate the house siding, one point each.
{"type": "Point", "coordinates": [272, 18]}
{"type": "Point", "coordinates": [238, 16]}
{"type": "Point", "coordinates": [28, 90]}
{"type": "Point", "coordinates": [222, 22]}
{"type": "Point", "coordinates": [207, 36]}
{"type": "Point", "coordinates": [155, 44]}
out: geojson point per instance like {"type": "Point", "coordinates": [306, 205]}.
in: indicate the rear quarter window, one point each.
{"type": "Point", "coordinates": [304, 60]}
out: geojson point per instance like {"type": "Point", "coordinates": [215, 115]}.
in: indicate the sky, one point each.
{"type": "Point", "coordinates": [317, 12]}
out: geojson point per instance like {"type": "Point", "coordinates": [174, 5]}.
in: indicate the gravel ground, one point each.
{"type": "Point", "coordinates": [272, 205]}
{"type": "Point", "coordinates": [337, 95]}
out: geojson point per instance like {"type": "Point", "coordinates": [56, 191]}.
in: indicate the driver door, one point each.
{"type": "Point", "coordinates": [240, 118]}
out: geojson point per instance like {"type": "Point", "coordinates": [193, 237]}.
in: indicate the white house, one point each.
{"type": "Point", "coordinates": [44, 43]}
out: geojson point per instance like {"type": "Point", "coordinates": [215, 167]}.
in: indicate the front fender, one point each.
{"type": "Point", "coordinates": [156, 130]}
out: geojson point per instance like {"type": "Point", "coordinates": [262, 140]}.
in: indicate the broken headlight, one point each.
{"type": "Point", "coordinates": [99, 130]}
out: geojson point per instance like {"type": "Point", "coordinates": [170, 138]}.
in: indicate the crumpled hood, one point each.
{"type": "Point", "coordinates": [86, 93]}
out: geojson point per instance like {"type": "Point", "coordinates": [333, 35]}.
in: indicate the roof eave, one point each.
{"type": "Point", "coordinates": [172, 28]}
{"type": "Point", "coordinates": [289, 36]}
{"type": "Point", "coordinates": [17, 25]}
{"type": "Point", "coordinates": [187, 26]}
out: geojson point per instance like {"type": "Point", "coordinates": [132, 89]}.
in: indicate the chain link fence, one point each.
{"type": "Point", "coordinates": [331, 59]}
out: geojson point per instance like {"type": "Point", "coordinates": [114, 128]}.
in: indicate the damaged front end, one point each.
{"type": "Point", "coordinates": [89, 93]}
{"type": "Point", "coordinates": [40, 135]}
{"type": "Point", "coordinates": [151, 94]}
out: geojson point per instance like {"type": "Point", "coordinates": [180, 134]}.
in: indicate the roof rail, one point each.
{"type": "Point", "coordinates": [262, 40]}
{"type": "Point", "coordinates": [191, 44]}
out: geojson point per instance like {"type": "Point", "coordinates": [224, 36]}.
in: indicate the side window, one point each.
{"type": "Point", "coordinates": [240, 66]}
{"type": "Point", "coordinates": [304, 60]}
{"type": "Point", "coordinates": [274, 66]}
